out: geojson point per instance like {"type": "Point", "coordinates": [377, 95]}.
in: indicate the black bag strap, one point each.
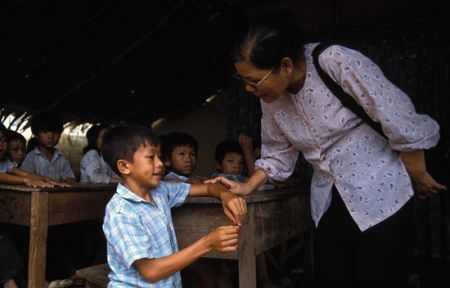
{"type": "Point", "coordinates": [346, 100]}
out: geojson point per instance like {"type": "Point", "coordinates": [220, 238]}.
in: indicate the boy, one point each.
{"type": "Point", "coordinates": [45, 159]}
{"type": "Point", "coordinates": [229, 161]}
{"type": "Point", "coordinates": [180, 157]}
{"type": "Point", "coordinates": [17, 145]}
{"type": "Point", "coordinates": [141, 240]}
{"type": "Point", "coordinates": [10, 174]}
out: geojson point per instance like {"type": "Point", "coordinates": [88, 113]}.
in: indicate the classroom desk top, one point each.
{"type": "Point", "coordinates": [39, 208]}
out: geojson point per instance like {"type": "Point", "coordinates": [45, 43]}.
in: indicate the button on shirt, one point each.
{"type": "Point", "coordinates": [58, 169]}
{"type": "Point", "coordinates": [137, 229]}
{"type": "Point", "coordinates": [94, 169]}
{"type": "Point", "coordinates": [343, 150]}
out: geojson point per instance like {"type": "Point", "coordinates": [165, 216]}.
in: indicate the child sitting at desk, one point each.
{"type": "Point", "coordinates": [141, 241]}
{"type": "Point", "coordinates": [10, 174]}
{"type": "Point", "coordinates": [179, 151]}
{"type": "Point", "coordinates": [17, 145]}
{"type": "Point", "coordinates": [93, 167]}
{"type": "Point", "coordinates": [45, 159]}
{"type": "Point", "coordinates": [229, 161]}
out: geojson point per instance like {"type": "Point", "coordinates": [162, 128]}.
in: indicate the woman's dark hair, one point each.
{"type": "Point", "coordinates": [92, 136]}
{"type": "Point", "coordinates": [224, 147]}
{"type": "Point", "coordinates": [265, 44]}
{"type": "Point", "coordinates": [121, 142]}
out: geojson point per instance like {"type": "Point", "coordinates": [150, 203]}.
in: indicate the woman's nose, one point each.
{"type": "Point", "coordinates": [249, 88]}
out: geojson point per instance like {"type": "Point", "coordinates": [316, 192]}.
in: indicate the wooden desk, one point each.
{"type": "Point", "coordinates": [39, 208]}
{"type": "Point", "coordinates": [273, 218]}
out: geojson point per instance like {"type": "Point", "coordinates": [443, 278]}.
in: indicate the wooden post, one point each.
{"type": "Point", "coordinates": [246, 253]}
{"type": "Point", "coordinates": [38, 239]}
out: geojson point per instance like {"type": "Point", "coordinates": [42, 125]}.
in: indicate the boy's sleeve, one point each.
{"type": "Point", "coordinates": [27, 164]}
{"type": "Point", "coordinates": [67, 170]}
{"type": "Point", "coordinates": [176, 192]}
{"type": "Point", "coordinates": [127, 237]}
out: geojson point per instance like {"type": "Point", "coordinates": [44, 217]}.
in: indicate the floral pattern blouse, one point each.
{"type": "Point", "coordinates": [343, 150]}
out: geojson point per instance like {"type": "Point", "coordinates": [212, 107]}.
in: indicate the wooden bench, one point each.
{"type": "Point", "coordinates": [93, 277]}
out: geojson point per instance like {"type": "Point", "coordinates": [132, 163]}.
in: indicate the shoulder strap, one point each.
{"type": "Point", "coordinates": [346, 100]}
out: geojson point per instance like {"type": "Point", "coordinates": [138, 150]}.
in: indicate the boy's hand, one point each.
{"type": "Point", "coordinates": [234, 207]}
{"type": "Point", "coordinates": [55, 183]}
{"type": "Point", "coordinates": [223, 239]}
{"type": "Point", "coordinates": [37, 183]}
{"type": "Point", "coordinates": [246, 142]}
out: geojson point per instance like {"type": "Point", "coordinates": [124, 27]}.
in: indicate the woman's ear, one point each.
{"type": "Point", "coordinates": [286, 65]}
{"type": "Point", "coordinates": [122, 166]}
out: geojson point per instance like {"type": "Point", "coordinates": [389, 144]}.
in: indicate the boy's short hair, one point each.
{"type": "Point", "coordinates": [12, 135]}
{"type": "Point", "coordinates": [121, 142]}
{"type": "Point", "coordinates": [177, 139]}
{"type": "Point", "coordinates": [46, 122]}
{"type": "Point", "coordinates": [224, 147]}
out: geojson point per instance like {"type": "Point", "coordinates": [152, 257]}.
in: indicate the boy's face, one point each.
{"type": "Point", "coordinates": [146, 168]}
{"type": "Point", "coordinates": [16, 151]}
{"type": "Point", "coordinates": [48, 139]}
{"type": "Point", "coordinates": [3, 145]}
{"type": "Point", "coordinates": [232, 164]}
{"type": "Point", "coordinates": [183, 160]}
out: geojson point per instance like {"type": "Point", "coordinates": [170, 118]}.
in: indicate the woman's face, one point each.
{"type": "Point", "coordinates": [271, 88]}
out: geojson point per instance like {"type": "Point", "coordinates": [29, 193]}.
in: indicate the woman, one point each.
{"type": "Point", "coordinates": [361, 185]}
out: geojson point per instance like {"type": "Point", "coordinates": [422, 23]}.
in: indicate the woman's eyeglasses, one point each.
{"type": "Point", "coordinates": [251, 83]}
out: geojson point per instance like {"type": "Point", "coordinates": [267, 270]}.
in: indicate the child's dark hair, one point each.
{"type": "Point", "coordinates": [177, 139]}
{"type": "Point", "coordinates": [225, 147]}
{"type": "Point", "coordinates": [92, 136]}
{"type": "Point", "coordinates": [3, 129]}
{"type": "Point", "coordinates": [265, 44]}
{"type": "Point", "coordinates": [46, 122]}
{"type": "Point", "coordinates": [12, 135]}
{"type": "Point", "coordinates": [121, 142]}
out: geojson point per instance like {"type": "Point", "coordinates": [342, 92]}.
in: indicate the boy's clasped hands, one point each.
{"type": "Point", "coordinates": [225, 238]}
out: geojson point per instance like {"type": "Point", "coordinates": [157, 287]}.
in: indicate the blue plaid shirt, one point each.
{"type": "Point", "coordinates": [137, 229]}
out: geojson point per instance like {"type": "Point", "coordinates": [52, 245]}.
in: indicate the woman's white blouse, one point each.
{"type": "Point", "coordinates": [365, 168]}
{"type": "Point", "coordinates": [94, 169]}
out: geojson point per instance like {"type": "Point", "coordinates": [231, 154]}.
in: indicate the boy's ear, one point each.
{"type": "Point", "coordinates": [167, 163]}
{"type": "Point", "coordinates": [218, 166]}
{"type": "Point", "coordinates": [122, 166]}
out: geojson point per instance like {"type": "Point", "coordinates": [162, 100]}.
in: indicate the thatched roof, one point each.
{"type": "Point", "coordinates": [113, 60]}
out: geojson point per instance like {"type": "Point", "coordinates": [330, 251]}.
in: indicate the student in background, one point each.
{"type": "Point", "coordinates": [10, 174]}
{"type": "Point", "coordinates": [142, 245]}
{"type": "Point", "coordinates": [93, 167]}
{"type": "Point", "coordinates": [180, 157]}
{"type": "Point", "coordinates": [229, 161]}
{"type": "Point", "coordinates": [45, 159]}
{"type": "Point", "coordinates": [180, 160]}
{"type": "Point", "coordinates": [17, 145]}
